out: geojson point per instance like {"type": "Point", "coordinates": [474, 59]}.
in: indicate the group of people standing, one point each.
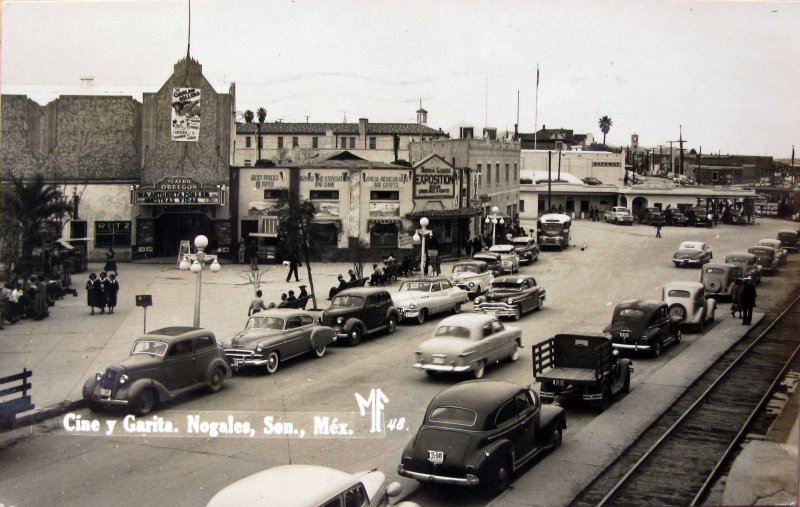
{"type": "Point", "coordinates": [102, 292]}
{"type": "Point", "coordinates": [743, 298]}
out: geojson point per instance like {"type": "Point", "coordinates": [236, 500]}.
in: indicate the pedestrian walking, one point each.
{"type": "Point", "coordinates": [710, 218]}
{"type": "Point", "coordinates": [748, 299]}
{"type": "Point", "coordinates": [257, 304]}
{"type": "Point", "coordinates": [657, 225]}
{"type": "Point", "coordinates": [468, 247]}
{"type": "Point", "coordinates": [476, 245]}
{"type": "Point", "coordinates": [252, 255]}
{"type": "Point", "coordinates": [111, 262]}
{"type": "Point", "coordinates": [94, 294]}
{"type": "Point", "coordinates": [111, 287]}
{"type": "Point", "coordinates": [293, 263]}
{"type": "Point", "coordinates": [736, 298]}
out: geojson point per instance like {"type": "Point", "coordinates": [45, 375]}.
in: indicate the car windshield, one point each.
{"type": "Point", "coordinates": [507, 285]}
{"type": "Point", "coordinates": [465, 268]}
{"type": "Point", "coordinates": [454, 331]}
{"type": "Point", "coordinates": [264, 323]}
{"type": "Point", "coordinates": [630, 315]}
{"type": "Point", "coordinates": [733, 259]}
{"type": "Point", "coordinates": [551, 227]}
{"type": "Point", "coordinates": [347, 301]}
{"type": "Point", "coordinates": [522, 243]}
{"type": "Point", "coordinates": [690, 246]}
{"type": "Point", "coordinates": [454, 415]}
{"type": "Point", "coordinates": [715, 271]}
{"type": "Point", "coordinates": [420, 286]}
{"type": "Point", "coordinates": [150, 347]}
{"type": "Point", "coordinates": [675, 293]}
{"type": "Point", "coordinates": [761, 251]}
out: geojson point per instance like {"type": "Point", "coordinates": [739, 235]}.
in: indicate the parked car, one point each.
{"type": "Point", "coordinates": [780, 253]}
{"type": "Point", "coordinates": [418, 298]}
{"type": "Point", "coordinates": [480, 432]}
{"type": "Point", "coordinates": [162, 365]}
{"type": "Point", "coordinates": [643, 324]}
{"type": "Point", "coordinates": [308, 486]}
{"type": "Point", "coordinates": [749, 264]}
{"type": "Point", "coordinates": [789, 239]}
{"type": "Point", "coordinates": [273, 336]}
{"type": "Point", "coordinates": [509, 260]}
{"type": "Point", "coordinates": [697, 217]}
{"type": "Point", "coordinates": [618, 215]}
{"type": "Point", "coordinates": [355, 313]}
{"type": "Point", "coordinates": [688, 302]}
{"type": "Point", "coordinates": [734, 217]}
{"type": "Point", "coordinates": [468, 342]}
{"type": "Point", "coordinates": [472, 276]}
{"type": "Point", "coordinates": [718, 279]}
{"type": "Point", "coordinates": [675, 217]}
{"type": "Point", "coordinates": [765, 256]}
{"type": "Point", "coordinates": [492, 260]}
{"type": "Point", "coordinates": [585, 366]}
{"type": "Point", "coordinates": [591, 180]}
{"type": "Point", "coordinates": [651, 216]}
{"type": "Point", "coordinates": [692, 253]}
{"type": "Point", "coordinates": [526, 248]}
{"type": "Point", "coordinates": [511, 296]}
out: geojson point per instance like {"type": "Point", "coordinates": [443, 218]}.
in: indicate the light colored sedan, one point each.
{"type": "Point", "coordinates": [472, 276]}
{"type": "Point", "coordinates": [509, 260]}
{"type": "Point", "coordinates": [419, 297]}
{"type": "Point", "coordinates": [468, 342]}
{"type": "Point", "coordinates": [688, 301]}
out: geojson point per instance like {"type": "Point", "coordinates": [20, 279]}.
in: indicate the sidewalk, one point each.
{"type": "Point", "coordinates": [71, 345]}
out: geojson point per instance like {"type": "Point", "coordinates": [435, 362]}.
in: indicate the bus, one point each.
{"type": "Point", "coordinates": [553, 230]}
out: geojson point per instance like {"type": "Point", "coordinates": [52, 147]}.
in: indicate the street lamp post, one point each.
{"type": "Point", "coordinates": [494, 219]}
{"type": "Point", "coordinates": [198, 260]}
{"type": "Point", "coordinates": [421, 234]}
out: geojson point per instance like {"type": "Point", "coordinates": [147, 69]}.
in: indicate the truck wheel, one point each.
{"type": "Point", "coordinates": [144, 403]}
{"type": "Point", "coordinates": [605, 400]}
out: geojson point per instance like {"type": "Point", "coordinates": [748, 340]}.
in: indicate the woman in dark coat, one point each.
{"type": "Point", "coordinates": [111, 262]}
{"type": "Point", "coordinates": [111, 287]}
{"type": "Point", "coordinates": [748, 300]}
{"type": "Point", "coordinates": [94, 293]}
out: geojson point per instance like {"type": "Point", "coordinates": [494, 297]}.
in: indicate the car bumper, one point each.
{"type": "Point", "coordinates": [408, 313]}
{"type": "Point", "coordinates": [548, 241]}
{"type": "Point", "coordinates": [632, 346]}
{"type": "Point", "coordinates": [442, 367]}
{"type": "Point", "coordinates": [687, 262]}
{"type": "Point", "coordinates": [498, 309]}
{"type": "Point", "coordinates": [95, 398]}
{"type": "Point", "coordinates": [469, 480]}
{"type": "Point", "coordinates": [242, 357]}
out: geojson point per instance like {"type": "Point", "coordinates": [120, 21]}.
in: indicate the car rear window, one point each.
{"type": "Point", "coordinates": [736, 260]}
{"type": "Point", "coordinates": [454, 331]}
{"type": "Point", "coordinates": [678, 293]}
{"type": "Point", "coordinates": [454, 415]}
{"type": "Point", "coordinates": [264, 323]}
{"type": "Point", "coordinates": [507, 285]}
{"type": "Point", "coordinates": [631, 313]}
{"type": "Point", "coordinates": [715, 271]}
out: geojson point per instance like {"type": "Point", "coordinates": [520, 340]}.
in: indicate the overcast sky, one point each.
{"type": "Point", "coordinates": [727, 71]}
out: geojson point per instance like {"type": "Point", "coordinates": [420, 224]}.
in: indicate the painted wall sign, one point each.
{"type": "Point", "coordinates": [384, 181]}
{"type": "Point", "coordinates": [384, 209]}
{"type": "Point", "coordinates": [272, 180]}
{"type": "Point", "coordinates": [323, 180]}
{"type": "Point", "coordinates": [596, 163]}
{"type": "Point", "coordinates": [434, 182]}
{"type": "Point", "coordinates": [185, 114]}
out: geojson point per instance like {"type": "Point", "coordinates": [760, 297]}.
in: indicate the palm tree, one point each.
{"type": "Point", "coordinates": [248, 116]}
{"type": "Point", "coordinates": [605, 125]}
{"type": "Point", "coordinates": [26, 207]}
{"type": "Point", "coordinates": [261, 113]}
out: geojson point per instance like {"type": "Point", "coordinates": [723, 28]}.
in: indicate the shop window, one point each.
{"type": "Point", "coordinates": [384, 195]}
{"type": "Point", "coordinates": [327, 195]}
{"type": "Point", "coordinates": [383, 235]}
{"type": "Point", "coordinates": [112, 233]}
{"type": "Point", "coordinates": [276, 193]}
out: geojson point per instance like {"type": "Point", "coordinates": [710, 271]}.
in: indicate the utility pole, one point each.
{"type": "Point", "coordinates": [681, 140]}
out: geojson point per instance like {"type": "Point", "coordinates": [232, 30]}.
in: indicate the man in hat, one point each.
{"type": "Point", "coordinates": [352, 275]}
{"type": "Point", "coordinates": [303, 292]}
{"type": "Point", "coordinates": [334, 290]}
{"type": "Point", "coordinates": [291, 297]}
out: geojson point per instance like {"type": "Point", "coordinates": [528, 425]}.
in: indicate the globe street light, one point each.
{"type": "Point", "coordinates": [198, 260]}
{"type": "Point", "coordinates": [421, 234]}
{"type": "Point", "coordinates": [494, 219]}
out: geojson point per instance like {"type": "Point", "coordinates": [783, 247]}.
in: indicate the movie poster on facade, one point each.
{"type": "Point", "coordinates": [185, 114]}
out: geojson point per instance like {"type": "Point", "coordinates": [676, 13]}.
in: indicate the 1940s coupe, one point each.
{"type": "Point", "coordinates": [509, 260]}
{"type": "Point", "coordinates": [472, 276]}
{"type": "Point", "coordinates": [512, 296]}
{"type": "Point", "coordinates": [480, 432]}
{"type": "Point", "coordinates": [688, 302]}
{"type": "Point", "coordinates": [643, 324]}
{"type": "Point", "coordinates": [692, 253]}
{"type": "Point", "coordinates": [526, 248]}
{"type": "Point", "coordinates": [276, 335]}
{"type": "Point", "coordinates": [749, 264]}
{"type": "Point", "coordinates": [468, 342]}
{"type": "Point", "coordinates": [162, 364]}
{"type": "Point", "coordinates": [718, 278]}
{"type": "Point", "coordinates": [419, 297]}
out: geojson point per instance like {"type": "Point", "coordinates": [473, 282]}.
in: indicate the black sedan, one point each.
{"type": "Point", "coordinates": [480, 432]}
{"type": "Point", "coordinates": [643, 324]}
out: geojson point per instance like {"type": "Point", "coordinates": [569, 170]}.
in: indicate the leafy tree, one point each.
{"type": "Point", "coordinates": [261, 113]}
{"type": "Point", "coordinates": [605, 125]}
{"type": "Point", "coordinates": [295, 217]}
{"type": "Point", "coordinates": [25, 209]}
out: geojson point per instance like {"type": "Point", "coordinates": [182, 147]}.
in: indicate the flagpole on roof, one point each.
{"type": "Point", "coordinates": [536, 110]}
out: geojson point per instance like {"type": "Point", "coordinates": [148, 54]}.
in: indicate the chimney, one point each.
{"type": "Point", "coordinates": [466, 133]}
{"type": "Point", "coordinates": [362, 131]}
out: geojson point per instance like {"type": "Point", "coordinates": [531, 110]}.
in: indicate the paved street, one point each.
{"type": "Point", "coordinates": [44, 464]}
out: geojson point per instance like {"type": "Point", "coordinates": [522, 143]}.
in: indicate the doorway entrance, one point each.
{"type": "Point", "coordinates": [171, 228]}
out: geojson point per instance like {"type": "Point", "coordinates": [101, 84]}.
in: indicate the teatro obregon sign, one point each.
{"type": "Point", "coordinates": [178, 190]}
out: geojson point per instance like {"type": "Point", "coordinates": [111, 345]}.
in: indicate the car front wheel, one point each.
{"type": "Point", "coordinates": [391, 324]}
{"type": "Point", "coordinates": [657, 348]}
{"type": "Point", "coordinates": [479, 370]}
{"type": "Point", "coordinates": [556, 437]}
{"type": "Point", "coordinates": [144, 403]}
{"type": "Point", "coordinates": [354, 336]}
{"type": "Point", "coordinates": [273, 361]}
{"type": "Point", "coordinates": [216, 380]}
{"type": "Point", "coordinates": [421, 316]}
{"type": "Point", "coordinates": [319, 351]}
{"type": "Point", "coordinates": [517, 312]}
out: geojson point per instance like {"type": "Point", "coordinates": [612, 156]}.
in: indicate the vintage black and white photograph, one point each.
{"type": "Point", "coordinates": [352, 253]}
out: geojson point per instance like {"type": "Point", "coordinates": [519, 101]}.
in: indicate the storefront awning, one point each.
{"type": "Point", "coordinates": [384, 220]}
{"type": "Point", "coordinates": [444, 213]}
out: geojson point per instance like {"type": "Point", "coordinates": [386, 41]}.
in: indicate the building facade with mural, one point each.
{"type": "Point", "coordinates": [142, 176]}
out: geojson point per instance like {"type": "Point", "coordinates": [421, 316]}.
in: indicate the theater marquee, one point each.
{"type": "Point", "coordinates": [178, 190]}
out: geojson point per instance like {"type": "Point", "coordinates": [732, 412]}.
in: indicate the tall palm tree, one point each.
{"type": "Point", "coordinates": [605, 125]}
{"type": "Point", "coordinates": [261, 113]}
{"type": "Point", "coordinates": [26, 207]}
{"type": "Point", "coordinates": [248, 116]}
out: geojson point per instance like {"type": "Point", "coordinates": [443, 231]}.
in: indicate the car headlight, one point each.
{"type": "Point", "coordinates": [510, 301]}
{"type": "Point", "coordinates": [259, 348]}
{"type": "Point", "coordinates": [339, 320]}
{"type": "Point", "coordinates": [472, 284]}
{"type": "Point", "coordinates": [479, 300]}
{"type": "Point", "coordinates": [412, 305]}
{"type": "Point", "coordinates": [123, 379]}
{"type": "Point", "coordinates": [98, 377]}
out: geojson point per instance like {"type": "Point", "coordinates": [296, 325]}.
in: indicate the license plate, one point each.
{"type": "Point", "coordinates": [558, 382]}
{"type": "Point", "coordinates": [436, 457]}
{"type": "Point", "coordinates": [438, 360]}
{"type": "Point", "coordinates": [237, 361]}
{"type": "Point", "coordinates": [105, 392]}
{"type": "Point", "coordinates": [625, 334]}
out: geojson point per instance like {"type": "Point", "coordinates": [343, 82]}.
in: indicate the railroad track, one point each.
{"type": "Point", "coordinates": [677, 460]}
